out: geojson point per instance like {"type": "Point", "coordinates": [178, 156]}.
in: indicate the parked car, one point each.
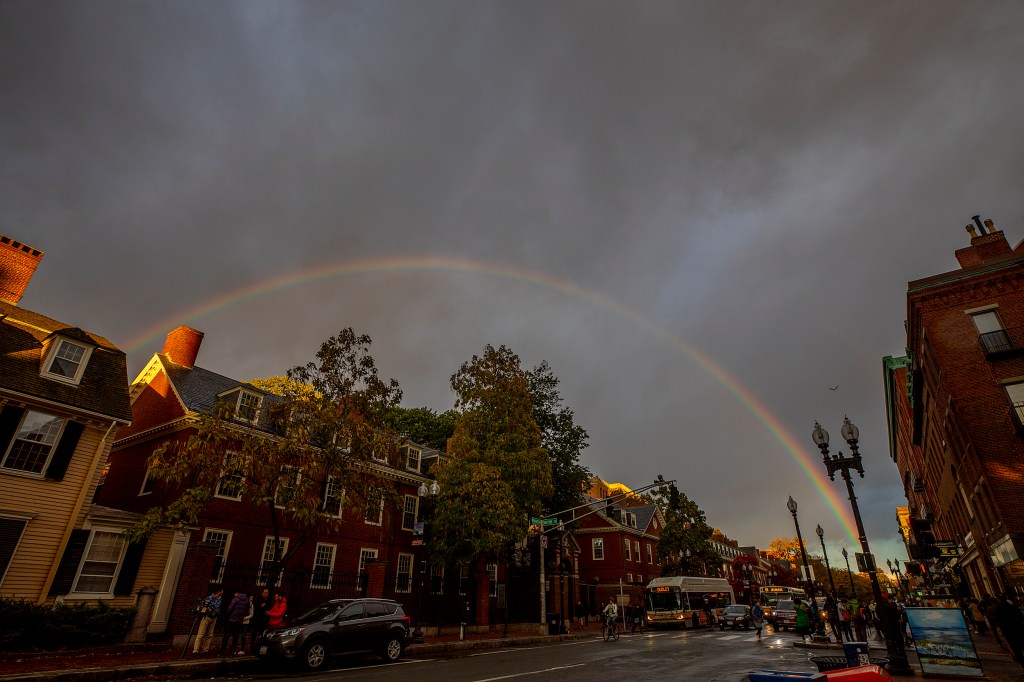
{"type": "Point", "coordinates": [339, 627]}
{"type": "Point", "coordinates": [785, 615]}
{"type": "Point", "coordinates": [735, 616]}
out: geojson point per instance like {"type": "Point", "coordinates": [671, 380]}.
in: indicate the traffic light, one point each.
{"type": "Point", "coordinates": [924, 540]}
{"type": "Point", "coordinates": [673, 497]}
{"type": "Point", "coordinates": [913, 567]}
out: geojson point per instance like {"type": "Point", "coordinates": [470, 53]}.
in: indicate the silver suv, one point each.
{"type": "Point", "coordinates": [338, 628]}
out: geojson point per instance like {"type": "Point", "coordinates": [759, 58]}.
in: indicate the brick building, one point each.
{"type": "Point", "coordinates": [955, 411]}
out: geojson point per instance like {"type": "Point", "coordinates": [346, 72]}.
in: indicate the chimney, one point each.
{"type": "Point", "coordinates": [182, 346]}
{"type": "Point", "coordinates": [989, 244]}
{"type": "Point", "coordinates": [17, 264]}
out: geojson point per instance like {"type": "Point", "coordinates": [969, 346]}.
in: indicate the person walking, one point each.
{"type": "Point", "coordinates": [234, 614]}
{"type": "Point", "coordinates": [210, 612]}
{"type": "Point", "coordinates": [247, 623]}
{"type": "Point", "coordinates": [860, 623]}
{"type": "Point", "coordinates": [832, 611]}
{"type": "Point", "coordinates": [277, 612]}
{"type": "Point", "coordinates": [845, 620]}
{"type": "Point", "coordinates": [757, 617]}
{"type": "Point", "coordinates": [980, 625]}
{"type": "Point", "coordinates": [581, 612]}
{"type": "Point", "coordinates": [1008, 617]}
{"type": "Point", "coordinates": [260, 607]}
{"type": "Point", "coordinates": [803, 619]}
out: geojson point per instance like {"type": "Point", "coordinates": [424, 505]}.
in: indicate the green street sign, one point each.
{"type": "Point", "coordinates": [544, 522]}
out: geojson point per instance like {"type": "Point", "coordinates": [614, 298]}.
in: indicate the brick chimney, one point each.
{"type": "Point", "coordinates": [17, 264]}
{"type": "Point", "coordinates": [989, 244]}
{"type": "Point", "coordinates": [182, 346]}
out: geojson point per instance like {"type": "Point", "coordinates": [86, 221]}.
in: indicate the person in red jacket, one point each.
{"type": "Point", "coordinates": [276, 614]}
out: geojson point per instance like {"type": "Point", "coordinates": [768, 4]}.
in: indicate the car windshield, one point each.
{"type": "Point", "coordinates": [734, 610]}
{"type": "Point", "coordinates": [318, 614]}
{"type": "Point", "coordinates": [784, 604]}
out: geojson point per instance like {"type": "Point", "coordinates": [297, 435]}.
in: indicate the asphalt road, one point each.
{"type": "Point", "coordinates": [689, 655]}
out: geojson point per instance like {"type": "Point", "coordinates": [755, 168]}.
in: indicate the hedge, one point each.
{"type": "Point", "coordinates": [25, 626]}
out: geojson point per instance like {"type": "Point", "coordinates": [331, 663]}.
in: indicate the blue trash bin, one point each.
{"type": "Point", "coordinates": [856, 653]}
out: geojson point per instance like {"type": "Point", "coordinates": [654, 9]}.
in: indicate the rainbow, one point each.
{"type": "Point", "coordinates": [810, 467]}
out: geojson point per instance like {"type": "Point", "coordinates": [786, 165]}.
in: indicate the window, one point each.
{"type": "Point", "coordinates": [463, 578]}
{"type": "Point", "coordinates": [630, 519]}
{"type": "Point", "coordinates": [10, 535]}
{"type": "Point", "coordinates": [270, 553]}
{"type": "Point", "coordinates": [629, 554]}
{"type": "Point", "coordinates": [629, 577]}
{"type": "Point", "coordinates": [650, 554]}
{"type": "Point", "coordinates": [287, 483]}
{"type": "Point", "coordinates": [102, 557]}
{"type": "Point", "coordinates": [374, 507]}
{"type": "Point", "coordinates": [34, 442]}
{"type": "Point", "coordinates": [323, 565]}
{"type": "Point", "coordinates": [332, 498]}
{"type": "Point", "coordinates": [365, 557]}
{"type": "Point", "coordinates": [231, 480]}
{"type": "Point", "coordinates": [636, 547]}
{"type": "Point", "coordinates": [993, 337]}
{"type": "Point", "coordinates": [412, 458]}
{"type": "Point", "coordinates": [403, 583]}
{"type": "Point", "coordinates": [66, 361]}
{"type": "Point", "coordinates": [409, 512]}
{"type": "Point", "coordinates": [221, 538]}
{"type": "Point", "coordinates": [1016, 394]}
{"type": "Point", "coordinates": [149, 481]}
{"type": "Point", "coordinates": [492, 572]}
{"type": "Point", "coordinates": [249, 407]}
{"type": "Point", "coordinates": [436, 579]}
{"type": "Point", "coordinates": [598, 548]}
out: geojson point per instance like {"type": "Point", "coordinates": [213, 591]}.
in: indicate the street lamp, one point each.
{"type": "Point", "coordinates": [833, 463]}
{"type": "Point", "coordinates": [807, 569]}
{"type": "Point", "coordinates": [425, 493]}
{"type": "Point", "coordinates": [821, 539]}
{"type": "Point", "coordinates": [849, 574]}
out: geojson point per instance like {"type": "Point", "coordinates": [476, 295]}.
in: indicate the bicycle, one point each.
{"type": "Point", "coordinates": [609, 630]}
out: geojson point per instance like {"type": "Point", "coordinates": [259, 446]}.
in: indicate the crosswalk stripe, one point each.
{"type": "Point", "coordinates": [730, 637]}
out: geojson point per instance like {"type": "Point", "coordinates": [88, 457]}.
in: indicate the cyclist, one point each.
{"type": "Point", "coordinates": [611, 612]}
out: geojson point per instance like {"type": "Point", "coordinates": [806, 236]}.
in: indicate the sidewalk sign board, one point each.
{"type": "Point", "coordinates": [943, 642]}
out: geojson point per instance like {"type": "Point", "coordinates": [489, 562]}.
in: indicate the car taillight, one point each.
{"type": "Point", "coordinates": [407, 620]}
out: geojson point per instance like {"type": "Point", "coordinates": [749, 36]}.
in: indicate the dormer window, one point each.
{"type": "Point", "coordinates": [249, 406]}
{"type": "Point", "coordinates": [66, 360]}
{"type": "Point", "coordinates": [412, 457]}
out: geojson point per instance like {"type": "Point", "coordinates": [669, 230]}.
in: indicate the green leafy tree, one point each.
{"type": "Point", "coordinates": [495, 450]}
{"type": "Point", "coordinates": [324, 433]}
{"type": "Point", "coordinates": [423, 426]}
{"type": "Point", "coordinates": [561, 437]}
{"type": "Point", "coordinates": [684, 547]}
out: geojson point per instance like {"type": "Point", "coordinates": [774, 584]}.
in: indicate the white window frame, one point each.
{"type": "Point", "coordinates": [222, 550]}
{"type": "Point", "coordinates": [333, 484]}
{"type": "Point", "coordinates": [49, 455]}
{"type": "Point", "coordinates": [267, 559]}
{"type": "Point", "coordinates": [597, 549]}
{"type": "Point", "coordinates": [492, 573]}
{"type": "Point", "coordinates": [55, 348]}
{"type": "Point", "coordinates": [1016, 397]}
{"type": "Point", "coordinates": [148, 479]}
{"type": "Point", "coordinates": [409, 561]}
{"type": "Point", "coordinates": [228, 457]}
{"type": "Point", "coordinates": [375, 495]}
{"type": "Point", "coordinates": [631, 519]}
{"type": "Point", "coordinates": [17, 543]}
{"type": "Point", "coordinates": [317, 564]}
{"type": "Point", "coordinates": [636, 551]}
{"type": "Point", "coordinates": [409, 454]}
{"type": "Point", "coordinates": [365, 554]}
{"type": "Point", "coordinates": [256, 409]}
{"type": "Point", "coordinates": [629, 551]}
{"type": "Point", "coordinates": [414, 502]}
{"type": "Point", "coordinates": [109, 593]}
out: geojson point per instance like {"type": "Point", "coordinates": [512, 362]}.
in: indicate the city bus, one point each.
{"type": "Point", "coordinates": [686, 601]}
{"type": "Point", "coordinates": [771, 594]}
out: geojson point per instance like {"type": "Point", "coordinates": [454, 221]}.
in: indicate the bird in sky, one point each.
{"type": "Point", "coordinates": [833, 388]}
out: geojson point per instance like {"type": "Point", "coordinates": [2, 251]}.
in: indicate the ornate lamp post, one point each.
{"type": "Point", "coordinates": [833, 463]}
{"type": "Point", "coordinates": [803, 553]}
{"type": "Point", "coordinates": [849, 574]}
{"type": "Point", "coordinates": [425, 493]}
{"type": "Point", "coordinates": [821, 539]}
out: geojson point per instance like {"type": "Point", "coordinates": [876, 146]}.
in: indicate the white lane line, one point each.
{"type": "Point", "coordinates": [730, 637]}
{"type": "Point", "coordinates": [504, 650]}
{"type": "Point", "coordinates": [532, 672]}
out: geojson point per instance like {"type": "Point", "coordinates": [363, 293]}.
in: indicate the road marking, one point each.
{"type": "Point", "coordinates": [504, 650]}
{"type": "Point", "coordinates": [731, 637]}
{"type": "Point", "coordinates": [532, 672]}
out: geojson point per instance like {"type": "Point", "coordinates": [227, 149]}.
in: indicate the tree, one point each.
{"type": "Point", "coordinates": [495, 450]}
{"type": "Point", "coordinates": [423, 426]}
{"type": "Point", "coordinates": [561, 437]}
{"type": "Point", "coordinates": [684, 547]}
{"type": "Point", "coordinates": [739, 574]}
{"type": "Point", "coordinates": [314, 454]}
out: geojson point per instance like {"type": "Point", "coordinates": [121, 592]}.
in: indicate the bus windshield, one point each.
{"type": "Point", "coordinates": [664, 600]}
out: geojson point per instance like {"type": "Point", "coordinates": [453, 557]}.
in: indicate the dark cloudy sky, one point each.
{"type": "Point", "coordinates": [701, 214]}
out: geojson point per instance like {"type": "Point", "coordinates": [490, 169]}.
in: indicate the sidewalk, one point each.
{"type": "Point", "coordinates": [160, 660]}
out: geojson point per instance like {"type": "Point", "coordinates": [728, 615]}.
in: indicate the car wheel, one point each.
{"type": "Point", "coordinates": [314, 654]}
{"type": "Point", "coordinates": [392, 650]}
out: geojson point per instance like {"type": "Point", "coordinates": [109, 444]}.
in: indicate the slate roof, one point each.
{"type": "Point", "coordinates": [644, 513]}
{"type": "Point", "coordinates": [200, 387]}
{"type": "Point", "coordinates": [104, 385]}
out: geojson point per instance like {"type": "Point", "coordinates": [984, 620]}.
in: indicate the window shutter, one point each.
{"type": "Point", "coordinates": [9, 420]}
{"type": "Point", "coordinates": [64, 451]}
{"type": "Point", "coordinates": [129, 568]}
{"type": "Point", "coordinates": [68, 569]}
{"type": "Point", "coordinates": [10, 534]}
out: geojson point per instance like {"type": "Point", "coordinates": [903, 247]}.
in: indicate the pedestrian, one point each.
{"type": "Point", "coordinates": [980, 626]}
{"type": "Point", "coordinates": [277, 613]}
{"type": "Point", "coordinates": [208, 612]}
{"type": "Point", "coordinates": [845, 618]}
{"type": "Point", "coordinates": [757, 617]}
{"type": "Point", "coordinates": [860, 622]}
{"type": "Point", "coordinates": [1007, 616]}
{"type": "Point", "coordinates": [832, 611]}
{"type": "Point", "coordinates": [581, 612]}
{"type": "Point", "coordinates": [234, 614]}
{"type": "Point", "coordinates": [260, 606]}
{"type": "Point", "coordinates": [889, 616]}
{"type": "Point", "coordinates": [803, 619]}
{"type": "Point", "coordinates": [247, 623]}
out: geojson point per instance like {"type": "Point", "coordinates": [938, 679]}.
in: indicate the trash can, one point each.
{"type": "Point", "coordinates": [784, 676]}
{"type": "Point", "coordinates": [554, 623]}
{"type": "Point", "coordinates": [856, 653]}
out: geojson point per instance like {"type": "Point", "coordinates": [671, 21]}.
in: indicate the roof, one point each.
{"type": "Point", "coordinates": [103, 389]}
{"type": "Point", "coordinates": [644, 513]}
{"type": "Point", "coordinates": [199, 388]}
{"type": "Point", "coordinates": [1000, 263]}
